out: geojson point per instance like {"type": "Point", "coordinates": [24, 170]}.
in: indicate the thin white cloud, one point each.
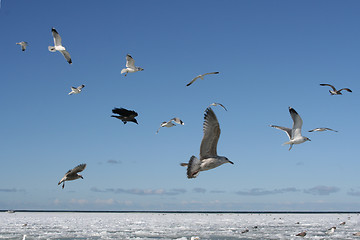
{"type": "Point", "coordinates": [136, 191]}
{"type": "Point", "coordinates": [261, 191]}
{"type": "Point", "coordinates": [322, 190]}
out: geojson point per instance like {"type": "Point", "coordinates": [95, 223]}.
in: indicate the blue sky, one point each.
{"type": "Point", "coordinates": [270, 55]}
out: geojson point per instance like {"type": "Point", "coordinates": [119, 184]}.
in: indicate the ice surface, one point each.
{"type": "Point", "coordinates": [178, 226]}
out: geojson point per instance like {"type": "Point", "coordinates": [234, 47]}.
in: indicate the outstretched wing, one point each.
{"type": "Point", "coordinates": [296, 129]}
{"type": "Point", "coordinates": [211, 136]}
{"type": "Point", "coordinates": [285, 129]}
{"type": "Point", "coordinates": [56, 36]}
{"type": "Point", "coordinates": [193, 81]}
{"type": "Point", "coordinates": [325, 84]}
{"type": "Point", "coordinates": [130, 62]}
{"type": "Point", "coordinates": [347, 89]}
{"type": "Point", "coordinates": [216, 104]}
{"type": "Point", "coordinates": [78, 168]}
{"type": "Point", "coordinates": [210, 73]}
{"type": "Point", "coordinates": [124, 112]}
{"type": "Point", "coordinates": [66, 56]}
{"type": "Point", "coordinates": [81, 87]}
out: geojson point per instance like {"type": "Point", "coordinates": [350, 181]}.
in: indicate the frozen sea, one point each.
{"type": "Point", "coordinates": [180, 226]}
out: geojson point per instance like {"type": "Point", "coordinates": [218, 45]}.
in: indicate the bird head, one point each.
{"type": "Point", "coordinates": [226, 160]}
{"type": "Point", "coordinates": [307, 139]}
{"type": "Point", "coordinates": [140, 69]}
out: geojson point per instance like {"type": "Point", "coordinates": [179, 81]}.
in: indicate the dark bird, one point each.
{"type": "Point", "coordinates": [125, 115]}
{"type": "Point", "coordinates": [334, 91]}
{"type": "Point", "coordinates": [302, 234]}
{"type": "Point", "coordinates": [73, 174]}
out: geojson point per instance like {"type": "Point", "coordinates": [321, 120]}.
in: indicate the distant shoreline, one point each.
{"type": "Point", "coordinates": [184, 212]}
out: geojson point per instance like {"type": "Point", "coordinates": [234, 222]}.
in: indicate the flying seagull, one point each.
{"type": "Point", "coordinates": [322, 130]}
{"type": "Point", "coordinates": [73, 174]}
{"type": "Point", "coordinates": [218, 104]}
{"type": "Point", "coordinates": [208, 155]}
{"type": "Point", "coordinates": [170, 123]}
{"type": "Point", "coordinates": [201, 76]}
{"type": "Point", "coordinates": [58, 46]}
{"type": "Point", "coordinates": [75, 90]}
{"type": "Point", "coordinates": [334, 91]}
{"type": "Point", "coordinates": [23, 45]}
{"type": "Point", "coordinates": [294, 134]}
{"type": "Point", "coordinates": [130, 66]}
{"type": "Point", "coordinates": [125, 115]}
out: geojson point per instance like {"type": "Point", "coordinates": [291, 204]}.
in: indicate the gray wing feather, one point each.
{"type": "Point", "coordinates": [56, 36]}
{"type": "Point", "coordinates": [130, 62]}
{"type": "Point", "coordinates": [78, 168]}
{"type": "Point", "coordinates": [67, 56]}
{"type": "Point", "coordinates": [296, 129]}
{"type": "Point", "coordinates": [211, 136]}
{"type": "Point", "coordinates": [285, 129]}
{"type": "Point", "coordinates": [325, 84]}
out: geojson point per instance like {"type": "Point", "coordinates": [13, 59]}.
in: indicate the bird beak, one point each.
{"type": "Point", "coordinates": [230, 162]}
{"type": "Point", "coordinates": [81, 177]}
{"type": "Point", "coordinates": [309, 139]}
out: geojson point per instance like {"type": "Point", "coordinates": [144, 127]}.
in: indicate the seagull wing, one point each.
{"type": "Point", "coordinates": [285, 129]}
{"type": "Point", "coordinates": [177, 120]}
{"type": "Point", "coordinates": [78, 168]}
{"type": "Point", "coordinates": [296, 129]}
{"type": "Point", "coordinates": [193, 81]}
{"type": "Point", "coordinates": [331, 129]}
{"type": "Point", "coordinates": [347, 89]}
{"type": "Point", "coordinates": [23, 46]}
{"type": "Point", "coordinates": [325, 84]}
{"type": "Point", "coordinates": [81, 87]}
{"type": "Point", "coordinates": [216, 104]}
{"type": "Point", "coordinates": [211, 136]}
{"type": "Point", "coordinates": [130, 62]}
{"type": "Point", "coordinates": [66, 55]}
{"type": "Point", "coordinates": [56, 36]}
{"type": "Point", "coordinates": [210, 73]}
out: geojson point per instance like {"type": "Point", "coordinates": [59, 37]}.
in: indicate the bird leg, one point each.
{"type": "Point", "coordinates": [63, 185]}
{"type": "Point", "coordinates": [290, 146]}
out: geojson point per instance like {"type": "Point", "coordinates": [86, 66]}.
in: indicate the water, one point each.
{"type": "Point", "coordinates": [180, 226]}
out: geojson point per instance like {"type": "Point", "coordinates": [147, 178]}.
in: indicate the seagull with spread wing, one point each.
{"type": "Point", "coordinates": [170, 123]}
{"type": "Point", "coordinates": [125, 115]}
{"type": "Point", "coordinates": [334, 91]}
{"type": "Point", "coordinates": [201, 76]}
{"type": "Point", "coordinates": [23, 45]}
{"type": "Point", "coordinates": [58, 46]}
{"type": "Point", "coordinates": [322, 130]}
{"type": "Point", "coordinates": [208, 154]}
{"type": "Point", "coordinates": [77, 90]}
{"type": "Point", "coordinates": [293, 133]}
{"type": "Point", "coordinates": [130, 66]}
{"type": "Point", "coordinates": [73, 174]}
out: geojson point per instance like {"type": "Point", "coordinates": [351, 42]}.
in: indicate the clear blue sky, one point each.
{"type": "Point", "coordinates": [270, 55]}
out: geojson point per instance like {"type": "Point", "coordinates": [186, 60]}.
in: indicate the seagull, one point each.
{"type": "Point", "coordinates": [331, 230]}
{"type": "Point", "coordinates": [58, 46]}
{"type": "Point", "coordinates": [208, 155]}
{"type": "Point", "coordinates": [356, 234]}
{"type": "Point", "coordinates": [23, 45]}
{"type": "Point", "coordinates": [130, 66]}
{"type": "Point", "coordinates": [343, 223]}
{"type": "Point", "coordinates": [72, 174]}
{"type": "Point", "coordinates": [75, 90]}
{"type": "Point", "coordinates": [302, 234]}
{"type": "Point", "coordinates": [125, 115]}
{"type": "Point", "coordinates": [201, 76]}
{"type": "Point", "coordinates": [322, 130]}
{"type": "Point", "coordinates": [218, 104]}
{"type": "Point", "coordinates": [294, 134]}
{"type": "Point", "coordinates": [334, 91]}
{"type": "Point", "coordinates": [170, 123]}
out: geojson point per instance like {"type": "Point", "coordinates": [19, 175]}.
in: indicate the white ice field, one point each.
{"type": "Point", "coordinates": [180, 226]}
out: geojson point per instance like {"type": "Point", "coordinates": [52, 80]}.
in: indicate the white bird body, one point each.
{"type": "Point", "coordinates": [208, 154]}
{"type": "Point", "coordinates": [77, 90]}
{"type": "Point", "coordinates": [331, 230]}
{"type": "Point", "coordinates": [130, 66]}
{"type": "Point", "coordinates": [294, 134]}
{"type": "Point", "coordinates": [58, 46]}
{"type": "Point", "coordinates": [23, 45]}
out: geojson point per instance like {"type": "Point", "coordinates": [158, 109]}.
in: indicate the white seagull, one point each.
{"type": "Point", "coordinates": [58, 46]}
{"type": "Point", "coordinates": [130, 66]}
{"type": "Point", "coordinates": [170, 123]}
{"type": "Point", "coordinates": [322, 130]}
{"type": "Point", "coordinates": [23, 45]}
{"type": "Point", "coordinates": [331, 230]}
{"type": "Point", "coordinates": [75, 90]}
{"type": "Point", "coordinates": [208, 155]}
{"type": "Point", "coordinates": [294, 134]}
{"type": "Point", "coordinates": [72, 174]}
{"type": "Point", "coordinates": [334, 91]}
{"type": "Point", "coordinates": [218, 104]}
{"type": "Point", "coordinates": [201, 76]}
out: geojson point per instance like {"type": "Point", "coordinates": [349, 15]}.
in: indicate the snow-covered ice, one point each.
{"type": "Point", "coordinates": [175, 226]}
